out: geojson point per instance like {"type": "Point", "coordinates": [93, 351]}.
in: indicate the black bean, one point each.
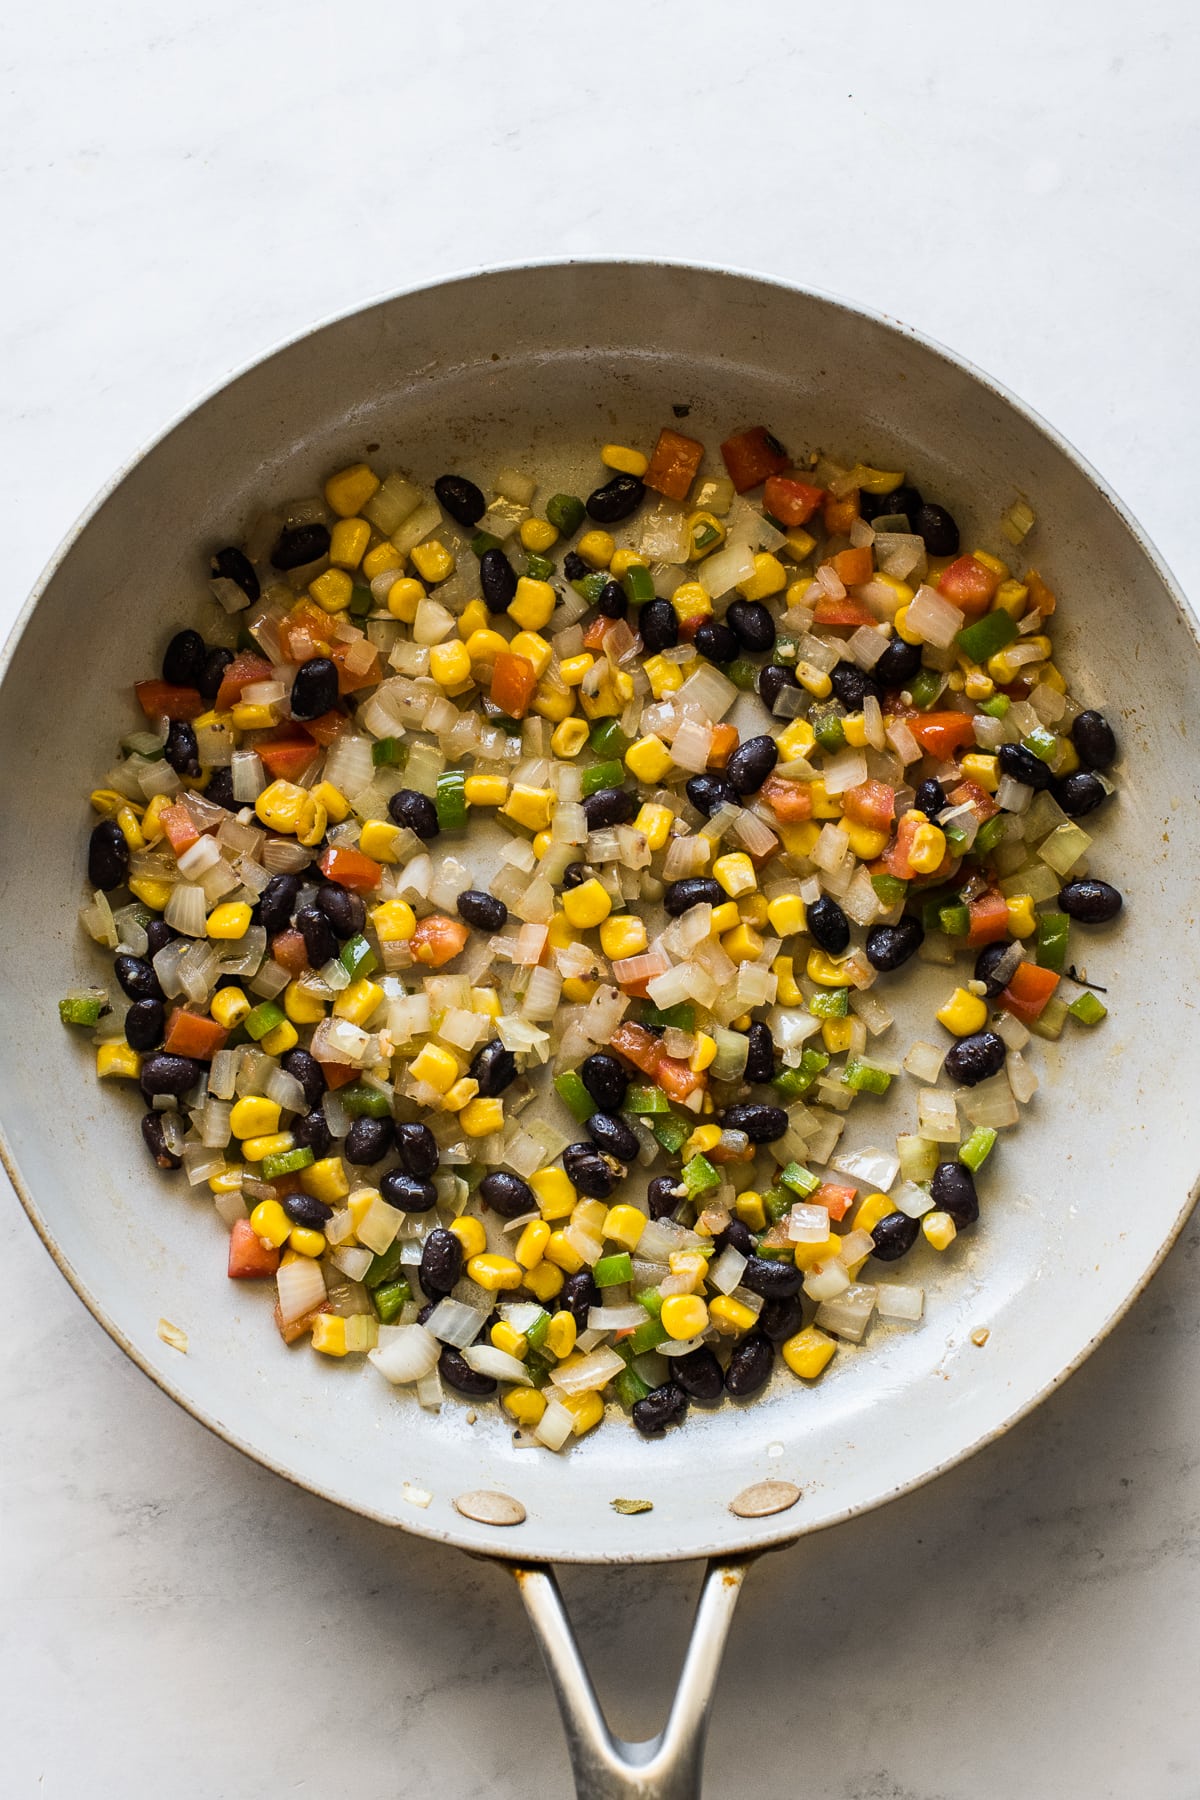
{"type": "Point", "coordinates": [156, 1143]}
{"type": "Point", "coordinates": [616, 499]}
{"type": "Point", "coordinates": [408, 1193]}
{"type": "Point", "coordinates": [930, 798]}
{"type": "Point", "coordinates": [277, 902]}
{"type": "Point", "coordinates": [904, 499]}
{"type": "Point", "coordinates": [158, 936]}
{"type": "Point", "coordinates": [694, 890]}
{"type": "Point", "coordinates": [346, 912]}
{"type": "Point", "coordinates": [985, 963]}
{"type": "Point", "coordinates": [232, 564]}
{"type": "Point", "coordinates": [898, 665]}
{"type": "Point", "coordinates": [574, 567]}
{"type": "Point", "coordinates": [662, 1197]}
{"type": "Point", "coordinates": [136, 975]}
{"type": "Point", "coordinates": [368, 1141]}
{"type": "Point", "coordinates": [662, 1406]}
{"type": "Point", "coordinates": [183, 659]}
{"type": "Point", "coordinates": [108, 855]}
{"type": "Point", "coordinates": [592, 1172]}
{"type": "Point", "coordinates": [315, 688]}
{"type": "Point", "coordinates": [1080, 793]}
{"type": "Point", "coordinates": [708, 792]}
{"type": "Point", "coordinates": [937, 527]}
{"type": "Point", "coordinates": [497, 580]}
{"type": "Point", "coordinates": [311, 1132]}
{"type": "Point", "coordinates": [891, 946]}
{"type": "Point", "coordinates": [752, 625]}
{"type": "Point", "coordinates": [303, 1067]}
{"type": "Point", "coordinates": [417, 1148]}
{"type": "Point", "coordinates": [611, 1133]}
{"type": "Point", "coordinates": [609, 806]}
{"type": "Point", "coordinates": [700, 1375]}
{"type": "Point", "coordinates": [1021, 764]}
{"type": "Point", "coordinates": [851, 685]}
{"type": "Point", "coordinates": [482, 910]}
{"type": "Point", "coordinates": [1093, 738]}
{"type": "Point", "coordinates": [894, 1236]}
{"type": "Point", "coordinates": [457, 1373]}
{"type": "Point", "coordinates": [164, 1074]}
{"type": "Point", "coordinates": [145, 1023]}
{"type": "Point", "coordinates": [828, 925]}
{"type": "Point", "coordinates": [604, 1079]}
{"type": "Point", "coordinates": [1090, 902]}
{"type": "Point", "coordinates": [461, 498]}
{"type": "Point", "coordinates": [613, 602]}
{"type": "Point", "coordinates": [750, 764]}
{"type": "Point", "coordinates": [716, 641]}
{"type": "Point", "coordinates": [307, 1210]}
{"type": "Point", "coordinates": [416, 811]}
{"type": "Point", "coordinates": [441, 1262]}
{"type": "Point", "coordinates": [760, 1063]}
{"type": "Point", "coordinates": [574, 875]}
{"type": "Point", "coordinates": [750, 1365]}
{"type": "Point", "coordinates": [577, 1295]}
{"type": "Point", "coordinates": [320, 945]}
{"type": "Point", "coordinates": [298, 545]}
{"type": "Point", "coordinates": [773, 1280]}
{"type": "Point", "coordinates": [493, 1068]}
{"type": "Point", "coordinates": [952, 1191]}
{"type": "Point", "coordinates": [761, 1123]}
{"type": "Point", "coordinates": [220, 789]}
{"type": "Point", "coordinates": [181, 750]}
{"type": "Point", "coordinates": [973, 1059]}
{"type": "Point", "coordinates": [507, 1194]}
{"type": "Point", "coordinates": [772, 679]}
{"type": "Point", "coordinates": [658, 623]}
{"type": "Point", "coordinates": [213, 673]}
{"type": "Point", "coordinates": [781, 1319]}
{"type": "Point", "coordinates": [739, 1235]}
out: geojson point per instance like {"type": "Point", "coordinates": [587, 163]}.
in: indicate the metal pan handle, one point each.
{"type": "Point", "coordinates": [666, 1767]}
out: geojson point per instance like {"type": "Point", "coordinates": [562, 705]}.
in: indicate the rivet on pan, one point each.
{"type": "Point", "coordinates": [764, 1498]}
{"type": "Point", "coordinates": [489, 1508]}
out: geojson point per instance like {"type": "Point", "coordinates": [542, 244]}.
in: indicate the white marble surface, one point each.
{"type": "Point", "coordinates": [186, 185]}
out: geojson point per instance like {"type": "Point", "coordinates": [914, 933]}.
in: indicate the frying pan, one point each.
{"type": "Point", "coordinates": [536, 366]}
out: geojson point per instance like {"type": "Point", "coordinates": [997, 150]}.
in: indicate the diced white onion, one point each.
{"type": "Point", "coordinates": [933, 619]}
{"type": "Point", "coordinates": [897, 1302]}
{"type": "Point", "coordinates": [485, 1359]}
{"type": "Point", "coordinates": [877, 1167]}
{"type": "Point", "coordinates": [405, 1353]}
{"type": "Point", "coordinates": [454, 1323]}
{"type": "Point", "coordinates": [848, 1314]}
{"type": "Point", "coordinates": [301, 1288]}
{"type": "Point", "coordinates": [616, 1318]}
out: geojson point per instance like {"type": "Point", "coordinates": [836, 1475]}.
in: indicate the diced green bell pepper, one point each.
{"type": "Point", "coordinates": [793, 1084]}
{"type": "Point", "coordinates": [571, 1091]}
{"type": "Point", "coordinates": [955, 920]}
{"type": "Point", "coordinates": [671, 1132]}
{"type": "Point", "coordinates": [988, 835]}
{"type": "Point", "coordinates": [829, 731]}
{"type": "Point", "coordinates": [358, 958]}
{"type": "Point", "coordinates": [391, 1298]}
{"type": "Point", "coordinates": [699, 1176]}
{"type": "Point", "coordinates": [987, 635]}
{"type": "Point", "coordinates": [1042, 743]}
{"type": "Point", "coordinates": [776, 1202]}
{"type": "Point", "coordinates": [890, 889]}
{"type": "Point", "coordinates": [742, 673]}
{"type": "Point", "coordinates": [1053, 931]}
{"type": "Point", "coordinates": [451, 800]}
{"type": "Point", "coordinates": [630, 1388]}
{"type": "Point", "coordinates": [924, 689]}
{"type": "Point", "coordinates": [538, 568]}
{"type": "Point", "coordinates": [613, 1271]}
{"type": "Point", "coordinates": [607, 739]}
{"type": "Point", "coordinates": [286, 1163]}
{"type": "Point", "coordinates": [389, 753]}
{"type": "Point", "coordinates": [638, 584]}
{"type": "Point", "coordinates": [362, 1101]}
{"type": "Point", "coordinates": [996, 707]}
{"type": "Point", "coordinates": [483, 541]}
{"type": "Point", "coordinates": [977, 1148]}
{"type": "Point", "coordinates": [680, 1017]}
{"type": "Point", "coordinates": [535, 1337]}
{"type": "Point", "coordinates": [590, 587]}
{"type": "Point", "coordinates": [645, 1099]}
{"type": "Point", "coordinates": [83, 1009]}
{"type": "Point", "coordinates": [565, 512]}
{"type": "Point", "coordinates": [801, 1180]}
{"type": "Point", "coordinates": [648, 1337]}
{"type": "Point", "coordinates": [602, 775]}
{"type": "Point", "coordinates": [362, 602]}
{"type": "Point", "coordinates": [386, 1266]}
{"type": "Point", "coordinates": [1088, 1009]}
{"type": "Point", "coordinates": [830, 1003]}
{"type": "Point", "coordinates": [263, 1018]}
{"type": "Point", "coordinates": [864, 1078]}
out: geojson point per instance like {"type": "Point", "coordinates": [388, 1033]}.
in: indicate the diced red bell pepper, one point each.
{"type": "Point", "coordinates": [676, 1080]}
{"type": "Point", "coordinates": [289, 950]}
{"type": "Point", "coordinates": [790, 500]}
{"type": "Point", "coordinates": [940, 734]}
{"type": "Point", "coordinates": [191, 1034]}
{"type": "Point", "coordinates": [179, 826]}
{"type": "Point", "coordinates": [242, 671]}
{"type": "Point", "coordinates": [514, 679]}
{"type": "Point", "coordinates": [840, 513]}
{"type": "Point", "coordinates": [162, 700]}
{"type": "Point", "coordinates": [304, 633]}
{"type": "Point", "coordinates": [638, 1046]}
{"type": "Point", "coordinates": [1029, 988]}
{"type": "Point", "coordinates": [249, 1258]}
{"type": "Point", "coordinates": [853, 567]}
{"type": "Point", "coordinates": [751, 456]}
{"type": "Point", "coordinates": [989, 920]}
{"type": "Point", "coordinates": [871, 803]}
{"type": "Point", "coordinates": [287, 758]}
{"type": "Point", "coordinates": [673, 466]}
{"type": "Point", "coordinates": [1040, 596]}
{"type": "Point", "coordinates": [969, 793]}
{"type": "Point", "coordinates": [595, 632]}
{"type": "Point", "coordinates": [361, 874]}
{"type": "Point", "coordinates": [846, 611]}
{"type": "Point", "coordinates": [325, 729]}
{"type": "Point", "coordinates": [350, 680]}
{"type": "Point", "coordinates": [437, 940]}
{"type": "Point", "coordinates": [837, 1200]}
{"type": "Point", "coordinates": [724, 743]}
{"type": "Point", "coordinates": [338, 1074]}
{"type": "Point", "coordinates": [790, 801]}
{"type": "Point", "coordinates": [968, 585]}
{"type": "Point", "coordinates": [895, 857]}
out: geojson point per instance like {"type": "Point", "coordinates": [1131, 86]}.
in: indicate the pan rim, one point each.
{"type": "Point", "coordinates": [768, 1534]}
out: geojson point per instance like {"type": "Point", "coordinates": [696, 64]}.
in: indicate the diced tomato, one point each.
{"type": "Point", "coordinates": [514, 679]}
{"type": "Point", "coordinates": [942, 733]}
{"type": "Point", "coordinates": [840, 514]}
{"type": "Point", "coordinates": [1028, 990]}
{"type": "Point", "coordinates": [326, 728]}
{"type": "Point", "coordinates": [191, 1034]}
{"type": "Point", "coordinates": [989, 920]}
{"type": "Point", "coordinates": [243, 670]}
{"type": "Point", "coordinates": [790, 801]}
{"type": "Point", "coordinates": [249, 1258]}
{"type": "Point", "coordinates": [595, 633]}
{"type": "Point", "coordinates": [638, 1046]}
{"type": "Point", "coordinates": [676, 1080]}
{"type": "Point", "coordinates": [674, 463]}
{"type": "Point", "coordinates": [871, 803]}
{"type": "Point", "coordinates": [837, 1200]}
{"type": "Point", "coordinates": [160, 700]}
{"type": "Point", "coordinates": [352, 869]}
{"type": "Point", "coordinates": [338, 1074]}
{"type": "Point", "coordinates": [969, 793]}
{"type": "Point", "coordinates": [288, 758]}
{"type": "Point", "coordinates": [724, 743]}
{"type": "Point", "coordinates": [304, 633]}
{"type": "Point", "coordinates": [750, 456]}
{"type": "Point", "coordinates": [634, 984]}
{"type": "Point", "coordinates": [348, 680]}
{"type": "Point", "coordinates": [968, 585]}
{"type": "Point", "coordinates": [179, 826]}
{"type": "Point", "coordinates": [846, 611]}
{"type": "Point", "coordinates": [854, 566]}
{"type": "Point", "coordinates": [289, 951]}
{"type": "Point", "coordinates": [790, 500]}
{"type": "Point", "coordinates": [895, 857]}
{"type": "Point", "coordinates": [1040, 596]}
{"type": "Point", "coordinates": [437, 940]}
{"type": "Point", "coordinates": [690, 625]}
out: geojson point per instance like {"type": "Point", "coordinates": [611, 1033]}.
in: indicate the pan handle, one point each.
{"type": "Point", "coordinates": [666, 1767]}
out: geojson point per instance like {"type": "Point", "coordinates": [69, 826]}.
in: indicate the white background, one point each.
{"type": "Point", "coordinates": [185, 185]}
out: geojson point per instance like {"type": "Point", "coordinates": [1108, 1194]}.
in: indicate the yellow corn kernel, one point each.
{"type": "Point", "coordinates": [475, 617]}
{"type": "Point", "coordinates": [901, 592]}
{"type": "Point", "coordinates": [808, 1352]}
{"type": "Point", "coordinates": [706, 533]}
{"type": "Point", "coordinates": [254, 1116]}
{"type": "Point", "coordinates": [785, 914]}
{"type": "Point", "coordinates": [865, 843]}
{"type": "Point", "coordinates": [963, 1013]}
{"type": "Point", "coordinates": [480, 1117]}
{"type": "Point", "coordinates": [992, 562]}
{"type": "Point", "coordinates": [691, 602]}
{"type": "Point", "coordinates": [1048, 676]}
{"type": "Point", "coordinates": [449, 664]}
{"type": "Point", "coordinates": [814, 681]}
{"type": "Point", "coordinates": [524, 1406]}
{"type": "Point", "coordinates": [983, 770]}
{"type": "Point", "coordinates": [725, 917]}
{"type": "Point", "coordinates": [229, 921]}
{"type": "Point", "coordinates": [512, 1342]}
{"type": "Point", "coordinates": [306, 1242]}
{"type": "Point", "coordinates": [596, 548]}
{"type": "Point", "coordinates": [532, 604]}
{"type": "Point", "coordinates": [742, 944]}
{"type": "Point", "coordinates": [310, 826]}
{"type": "Point", "coordinates": [301, 1005]}
{"type": "Point", "coordinates": [796, 741]}
{"type": "Point", "coordinates": [927, 849]}
{"type": "Point", "coordinates": [358, 1001]}
{"type": "Point", "coordinates": [350, 489]}
{"type": "Point", "coordinates": [229, 1007]}
{"type": "Point", "coordinates": [800, 546]}
{"type": "Point", "coordinates": [735, 872]}
{"type": "Point", "coordinates": [253, 716]}
{"type": "Point", "coordinates": [751, 1210]}
{"type": "Point", "coordinates": [648, 759]}
{"type": "Point", "coordinates": [228, 1180]}
{"type": "Point", "coordinates": [544, 1281]}
{"type": "Point", "coordinates": [800, 839]}
{"type": "Point", "coordinates": [457, 1098]}
{"type": "Point", "coordinates": [560, 932]}
{"type": "Point", "coordinates": [470, 1234]}
{"type": "Point", "coordinates": [622, 934]}
{"type": "Point", "coordinates": [568, 738]}
{"type": "Point", "coordinates": [531, 1245]}
{"type": "Point", "coordinates": [403, 598]}
{"type": "Point", "coordinates": [854, 729]}
{"type": "Point", "coordinates": [623, 560]}
{"type": "Point", "coordinates": [331, 591]}
{"type": "Point", "coordinates": [555, 1192]}
{"type": "Point", "coordinates": [336, 805]}
{"type": "Point", "coordinates": [108, 802]}
{"type": "Point", "coordinates": [495, 1273]}
{"type": "Point", "coordinates": [541, 844]}
{"type": "Point", "coordinates": [269, 1222]}
{"type": "Point", "coordinates": [537, 535]}
{"type": "Point", "coordinates": [587, 905]}
{"type": "Point", "coordinates": [684, 1316]}
{"type": "Point", "coordinates": [703, 1055]}
{"type": "Point", "coordinates": [624, 460]}
{"type": "Point", "coordinates": [529, 806]}
{"type": "Point", "coordinates": [798, 589]}
{"type": "Point", "coordinates": [485, 790]}
{"type": "Point", "coordinates": [280, 1039]}
{"type": "Point", "coordinates": [904, 630]}
{"type": "Point", "coordinates": [939, 1229]}
{"type": "Point", "coordinates": [824, 805]}
{"type": "Point", "coordinates": [432, 561]}
{"type": "Point", "coordinates": [769, 577]}
{"type": "Point", "coordinates": [553, 699]}
{"type": "Point", "coordinates": [329, 1334]}
{"type": "Point", "coordinates": [702, 1140]}
{"type": "Point", "coordinates": [378, 839]}
{"type": "Point", "coordinates": [837, 1035]}
{"type": "Point", "coordinates": [381, 558]}
{"type": "Point", "coordinates": [654, 823]}
{"type": "Point", "coordinates": [824, 970]}
{"type": "Point", "coordinates": [624, 1225]}
{"type": "Point", "coordinates": [808, 1256]}
{"type": "Point", "coordinates": [977, 685]}
{"type": "Point", "coordinates": [131, 829]}
{"type": "Point", "coordinates": [117, 1060]}
{"type": "Point", "coordinates": [564, 1254]}
{"type": "Point", "coordinates": [784, 971]}
{"type": "Point", "coordinates": [664, 677]}
{"type": "Point", "coordinates": [534, 649]}
{"type": "Point", "coordinates": [1011, 597]}
{"type": "Point", "coordinates": [394, 921]}
{"type": "Point", "coordinates": [752, 910]}
{"type": "Point", "coordinates": [560, 1338]}
{"type": "Point", "coordinates": [348, 543]}
{"type": "Point", "coordinates": [152, 825]}
{"type": "Point", "coordinates": [731, 1317]}
{"type": "Point", "coordinates": [872, 1208]}
{"type": "Point", "coordinates": [485, 1000]}
{"type": "Point", "coordinates": [587, 1410]}
{"type": "Point", "coordinates": [435, 1067]}
{"type": "Point", "coordinates": [279, 805]}
{"type": "Point", "coordinates": [274, 1144]}
{"type": "Point", "coordinates": [1022, 920]}
{"type": "Point", "coordinates": [573, 670]}
{"type": "Point", "coordinates": [577, 991]}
